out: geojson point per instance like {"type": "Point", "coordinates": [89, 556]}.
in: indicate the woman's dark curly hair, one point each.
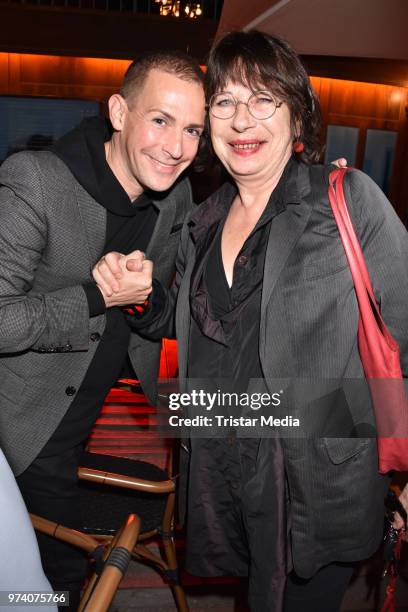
{"type": "Point", "coordinates": [260, 61]}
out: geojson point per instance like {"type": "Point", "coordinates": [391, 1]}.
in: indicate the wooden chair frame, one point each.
{"type": "Point", "coordinates": [168, 566]}
{"type": "Point", "coordinates": [99, 591]}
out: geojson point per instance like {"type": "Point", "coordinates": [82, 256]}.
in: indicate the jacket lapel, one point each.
{"type": "Point", "coordinates": [286, 229]}
{"type": "Point", "coordinates": [164, 223]}
{"type": "Point", "coordinates": [93, 217]}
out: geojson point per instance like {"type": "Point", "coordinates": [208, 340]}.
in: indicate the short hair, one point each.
{"type": "Point", "coordinates": [174, 62]}
{"type": "Point", "coordinates": [259, 60]}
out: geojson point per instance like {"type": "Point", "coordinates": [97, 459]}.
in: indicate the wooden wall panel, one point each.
{"type": "Point", "coordinates": [362, 69]}
{"type": "Point", "coordinates": [4, 75]}
{"type": "Point", "coordinates": [370, 101]}
{"type": "Point", "coordinates": [62, 77]}
{"type": "Point", "coordinates": [365, 100]}
{"type": "Point", "coordinates": [370, 106]}
{"type": "Point", "coordinates": [364, 105]}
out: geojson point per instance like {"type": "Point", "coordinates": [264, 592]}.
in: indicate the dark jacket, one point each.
{"type": "Point", "coordinates": [308, 329]}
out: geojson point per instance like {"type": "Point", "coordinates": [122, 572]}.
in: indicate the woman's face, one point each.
{"type": "Point", "coordinates": [249, 148]}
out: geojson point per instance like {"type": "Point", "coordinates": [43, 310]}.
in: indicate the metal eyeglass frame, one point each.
{"type": "Point", "coordinates": [209, 106]}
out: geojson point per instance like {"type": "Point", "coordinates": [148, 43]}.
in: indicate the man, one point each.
{"type": "Point", "coordinates": [63, 340]}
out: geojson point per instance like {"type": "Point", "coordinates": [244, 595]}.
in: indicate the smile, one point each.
{"type": "Point", "coordinates": [162, 167]}
{"type": "Point", "coordinates": [246, 148]}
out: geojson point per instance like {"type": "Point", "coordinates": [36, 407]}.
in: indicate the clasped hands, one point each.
{"type": "Point", "coordinates": [124, 279]}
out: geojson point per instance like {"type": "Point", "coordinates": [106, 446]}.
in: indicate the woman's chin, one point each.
{"type": "Point", "coordinates": [242, 166]}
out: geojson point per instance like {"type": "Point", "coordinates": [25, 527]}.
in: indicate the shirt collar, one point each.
{"type": "Point", "coordinates": [216, 207]}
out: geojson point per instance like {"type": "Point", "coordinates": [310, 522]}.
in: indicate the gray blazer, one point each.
{"type": "Point", "coordinates": [308, 329]}
{"type": "Point", "coordinates": [51, 234]}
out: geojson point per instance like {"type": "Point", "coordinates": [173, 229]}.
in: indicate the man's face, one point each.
{"type": "Point", "coordinates": [157, 132]}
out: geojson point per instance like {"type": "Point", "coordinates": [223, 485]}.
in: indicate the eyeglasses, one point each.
{"type": "Point", "coordinates": [261, 105]}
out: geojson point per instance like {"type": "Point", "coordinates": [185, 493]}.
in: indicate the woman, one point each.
{"type": "Point", "coordinates": [264, 292]}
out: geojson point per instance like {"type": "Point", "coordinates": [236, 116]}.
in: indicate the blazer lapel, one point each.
{"type": "Point", "coordinates": [286, 229]}
{"type": "Point", "coordinates": [164, 223]}
{"type": "Point", "coordinates": [93, 217]}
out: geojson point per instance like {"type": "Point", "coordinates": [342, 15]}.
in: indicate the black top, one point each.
{"type": "Point", "coordinates": [129, 226]}
{"type": "Point", "coordinates": [224, 339]}
{"type": "Point", "coordinates": [236, 475]}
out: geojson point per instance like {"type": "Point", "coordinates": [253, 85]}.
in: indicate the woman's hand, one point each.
{"type": "Point", "coordinates": [398, 521]}
{"type": "Point", "coordinates": [340, 163]}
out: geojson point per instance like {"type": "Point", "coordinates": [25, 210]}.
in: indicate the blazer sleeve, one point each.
{"type": "Point", "coordinates": [47, 322]}
{"type": "Point", "coordinates": [384, 241]}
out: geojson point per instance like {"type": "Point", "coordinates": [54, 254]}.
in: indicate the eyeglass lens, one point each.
{"type": "Point", "coordinates": [261, 105]}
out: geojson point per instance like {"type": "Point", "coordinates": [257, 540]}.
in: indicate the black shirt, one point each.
{"type": "Point", "coordinates": [235, 478]}
{"type": "Point", "coordinates": [224, 338]}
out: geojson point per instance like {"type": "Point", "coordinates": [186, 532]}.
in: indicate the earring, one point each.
{"type": "Point", "coordinates": [298, 146]}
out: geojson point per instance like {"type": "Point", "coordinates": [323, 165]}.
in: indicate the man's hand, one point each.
{"type": "Point", "coordinates": [340, 163]}
{"type": "Point", "coordinates": [124, 280]}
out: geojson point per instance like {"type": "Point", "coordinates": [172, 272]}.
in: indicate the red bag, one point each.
{"type": "Point", "coordinates": [379, 352]}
